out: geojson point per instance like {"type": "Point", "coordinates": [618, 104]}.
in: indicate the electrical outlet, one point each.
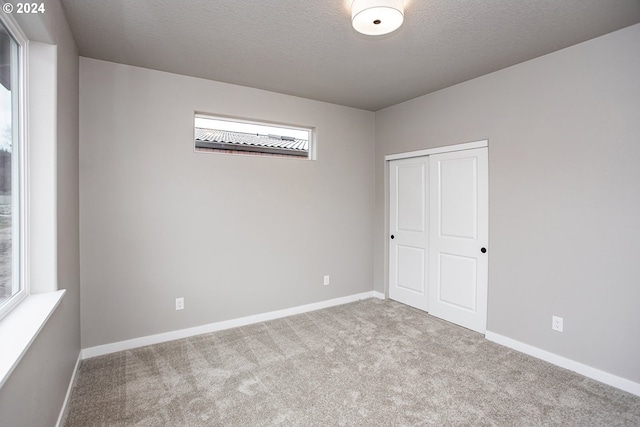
{"type": "Point", "coordinates": [557, 323]}
{"type": "Point", "coordinates": [179, 303]}
{"type": "Point", "coordinates": [326, 280]}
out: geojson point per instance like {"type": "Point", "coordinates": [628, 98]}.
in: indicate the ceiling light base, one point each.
{"type": "Point", "coordinates": [377, 17]}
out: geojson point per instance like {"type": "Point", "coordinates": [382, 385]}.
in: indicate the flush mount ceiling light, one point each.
{"type": "Point", "coordinates": [376, 17]}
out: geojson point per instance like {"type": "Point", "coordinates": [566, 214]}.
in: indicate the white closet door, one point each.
{"type": "Point", "coordinates": [458, 225]}
{"type": "Point", "coordinates": [408, 229]}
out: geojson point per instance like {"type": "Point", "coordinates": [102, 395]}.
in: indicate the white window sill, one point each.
{"type": "Point", "coordinates": [19, 328]}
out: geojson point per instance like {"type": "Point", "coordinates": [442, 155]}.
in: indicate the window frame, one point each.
{"type": "Point", "coordinates": [266, 152]}
{"type": "Point", "coordinates": [14, 31]}
{"type": "Point", "coordinates": [23, 321]}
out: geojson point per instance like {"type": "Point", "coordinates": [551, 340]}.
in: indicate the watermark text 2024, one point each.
{"type": "Point", "coordinates": [23, 8]}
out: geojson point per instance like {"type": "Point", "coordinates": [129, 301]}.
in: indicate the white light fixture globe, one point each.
{"type": "Point", "coordinates": [376, 17]}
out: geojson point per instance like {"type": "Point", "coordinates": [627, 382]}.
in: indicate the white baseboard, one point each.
{"type": "Point", "coordinates": [72, 383]}
{"type": "Point", "coordinates": [218, 326]}
{"type": "Point", "coordinates": [563, 362]}
{"type": "Point", "coordinates": [379, 295]}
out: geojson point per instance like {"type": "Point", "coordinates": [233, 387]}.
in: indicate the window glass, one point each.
{"type": "Point", "coordinates": [232, 136]}
{"type": "Point", "coordinates": [10, 284]}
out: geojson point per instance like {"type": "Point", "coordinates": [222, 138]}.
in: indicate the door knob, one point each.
{"type": "Point", "coordinates": [393, 237]}
{"type": "Point", "coordinates": [483, 250]}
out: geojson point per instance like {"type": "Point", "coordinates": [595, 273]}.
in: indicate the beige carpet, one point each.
{"type": "Point", "coordinates": [369, 363]}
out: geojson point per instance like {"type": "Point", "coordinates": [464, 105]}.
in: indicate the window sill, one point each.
{"type": "Point", "coordinates": [19, 328]}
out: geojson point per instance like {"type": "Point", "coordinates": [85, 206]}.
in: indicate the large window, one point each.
{"type": "Point", "coordinates": [12, 287]}
{"type": "Point", "coordinates": [234, 136]}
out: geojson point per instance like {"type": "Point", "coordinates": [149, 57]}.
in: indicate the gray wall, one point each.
{"type": "Point", "coordinates": [33, 394]}
{"type": "Point", "coordinates": [233, 235]}
{"type": "Point", "coordinates": [564, 194]}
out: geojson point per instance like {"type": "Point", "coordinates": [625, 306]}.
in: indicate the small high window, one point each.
{"type": "Point", "coordinates": [224, 135]}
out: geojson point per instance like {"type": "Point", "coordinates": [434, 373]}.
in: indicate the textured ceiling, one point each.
{"type": "Point", "coordinates": [308, 47]}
